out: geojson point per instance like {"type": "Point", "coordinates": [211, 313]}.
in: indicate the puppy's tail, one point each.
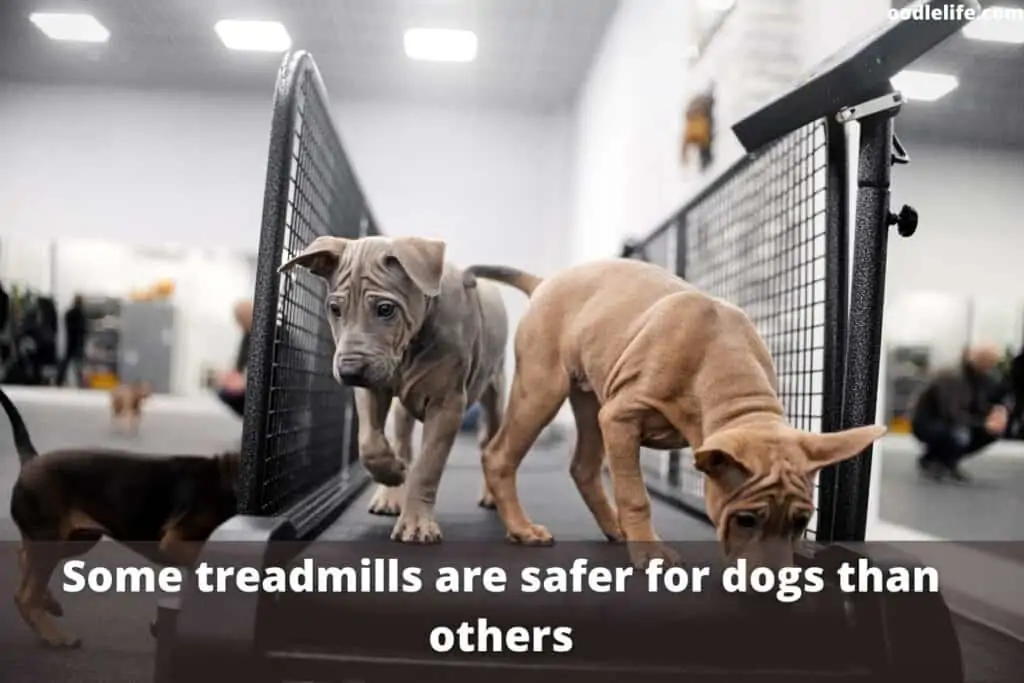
{"type": "Point", "coordinates": [22, 441]}
{"type": "Point", "coordinates": [522, 281]}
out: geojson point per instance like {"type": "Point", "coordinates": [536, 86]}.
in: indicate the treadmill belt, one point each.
{"type": "Point", "coordinates": [546, 490]}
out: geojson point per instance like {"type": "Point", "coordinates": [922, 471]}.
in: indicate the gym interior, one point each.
{"type": "Point", "coordinates": [846, 173]}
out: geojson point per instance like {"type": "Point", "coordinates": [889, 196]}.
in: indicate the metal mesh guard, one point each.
{"type": "Point", "coordinates": [308, 423]}
{"type": "Point", "coordinates": [759, 241]}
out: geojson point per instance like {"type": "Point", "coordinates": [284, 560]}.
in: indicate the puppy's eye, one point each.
{"type": "Point", "coordinates": [800, 523]}
{"type": "Point", "coordinates": [334, 308]}
{"type": "Point", "coordinates": [385, 310]}
{"type": "Point", "coordinates": [746, 520]}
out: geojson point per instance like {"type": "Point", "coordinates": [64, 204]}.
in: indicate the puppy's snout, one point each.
{"type": "Point", "coordinates": [351, 370]}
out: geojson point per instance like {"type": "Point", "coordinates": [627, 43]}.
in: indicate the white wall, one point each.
{"type": "Point", "coordinates": [494, 186]}
{"type": "Point", "coordinates": [629, 117]}
{"type": "Point", "coordinates": [132, 166]}
{"type": "Point", "coordinates": [968, 245]}
{"type": "Point", "coordinates": [153, 168]}
{"type": "Point", "coordinates": [26, 262]}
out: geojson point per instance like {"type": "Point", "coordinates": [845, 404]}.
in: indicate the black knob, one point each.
{"type": "Point", "coordinates": [905, 221]}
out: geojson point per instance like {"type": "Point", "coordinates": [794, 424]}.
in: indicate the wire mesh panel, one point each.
{"type": "Point", "coordinates": [758, 239]}
{"type": "Point", "coordinates": [298, 451]}
{"type": "Point", "coordinates": [661, 250]}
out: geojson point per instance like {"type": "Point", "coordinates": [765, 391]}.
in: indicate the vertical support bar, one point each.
{"type": "Point", "coordinates": [265, 296]}
{"type": "Point", "coordinates": [674, 469]}
{"type": "Point", "coordinates": [674, 474]}
{"type": "Point", "coordinates": [867, 295]}
{"type": "Point", "coordinates": [837, 204]}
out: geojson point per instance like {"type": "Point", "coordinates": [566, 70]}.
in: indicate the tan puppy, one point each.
{"type": "Point", "coordinates": [126, 405]}
{"type": "Point", "coordinates": [645, 359]}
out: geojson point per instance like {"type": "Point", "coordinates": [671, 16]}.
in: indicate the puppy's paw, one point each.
{"type": "Point", "coordinates": [50, 635]}
{"type": "Point", "coordinates": [611, 529]}
{"type": "Point", "coordinates": [383, 465]}
{"type": "Point", "coordinates": [487, 500]}
{"type": "Point", "coordinates": [531, 534]}
{"type": "Point", "coordinates": [387, 500]}
{"type": "Point", "coordinates": [416, 527]}
{"type": "Point", "coordinates": [51, 605]}
{"type": "Point", "coordinates": [62, 641]}
{"type": "Point", "coordinates": [642, 552]}
{"type": "Point", "coordinates": [615, 535]}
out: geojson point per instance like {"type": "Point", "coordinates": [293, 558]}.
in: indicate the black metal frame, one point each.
{"type": "Point", "coordinates": [291, 165]}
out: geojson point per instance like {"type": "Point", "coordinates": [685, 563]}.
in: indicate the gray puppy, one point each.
{"type": "Point", "coordinates": [405, 325]}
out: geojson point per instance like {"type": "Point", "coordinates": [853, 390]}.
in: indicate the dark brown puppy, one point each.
{"type": "Point", "coordinates": [64, 502]}
{"type": "Point", "coordinates": [126, 405]}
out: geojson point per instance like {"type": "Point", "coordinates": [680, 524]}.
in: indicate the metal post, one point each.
{"type": "Point", "coordinates": [837, 205]}
{"type": "Point", "coordinates": [867, 294]}
{"type": "Point", "coordinates": [674, 471]}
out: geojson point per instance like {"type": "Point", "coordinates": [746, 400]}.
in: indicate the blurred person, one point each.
{"type": "Point", "coordinates": [1015, 428]}
{"type": "Point", "coordinates": [74, 343]}
{"type": "Point", "coordinates": [5, 306]}
{"type": "Point", "coordinates": [231, 384]}
{"type": "Point", "coordinates": [959, 412]}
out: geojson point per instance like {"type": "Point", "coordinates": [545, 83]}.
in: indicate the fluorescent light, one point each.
{"type": "Point", "coordinates": [253, 36]}
{"type": "Point", "coordinates": [440, 45]}
{"type": "Point", "coordinates": [924, 85]}
{"type": "Point", "coordinates": [998, 25]}
{"type": "Point", "coordinates": [81, 28]}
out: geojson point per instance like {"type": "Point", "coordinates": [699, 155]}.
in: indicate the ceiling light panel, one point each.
{"type": "Point", "coordinates": [924, 85]}
{"type": "Point", "coordinates": [79, 28]}
{"type": "Point", "coordinates": [440, 45]}
{"type": "Point", "coordinates": [249, 35]}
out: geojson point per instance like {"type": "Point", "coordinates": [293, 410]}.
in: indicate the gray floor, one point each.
{"type": "Point", "coordinates": [990, 508]}
{"type": "Point", "coordinates": [121, 650]}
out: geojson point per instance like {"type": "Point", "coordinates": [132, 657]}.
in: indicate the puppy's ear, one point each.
{"type": "Point", "coordinates": [320, 257]}
{"type": "Point", "coordinates": [827, 449]}
{"type": "Point", "coordinates": [422, 260]}
{"type": "Point", "coordinates": [721, 466]}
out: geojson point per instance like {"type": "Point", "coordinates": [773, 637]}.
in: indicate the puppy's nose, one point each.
{"type": "Point", "coordinates": [352, 371]}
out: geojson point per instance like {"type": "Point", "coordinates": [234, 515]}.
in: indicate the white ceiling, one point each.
{"type": "Point", "coordinates": [533, 54]}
